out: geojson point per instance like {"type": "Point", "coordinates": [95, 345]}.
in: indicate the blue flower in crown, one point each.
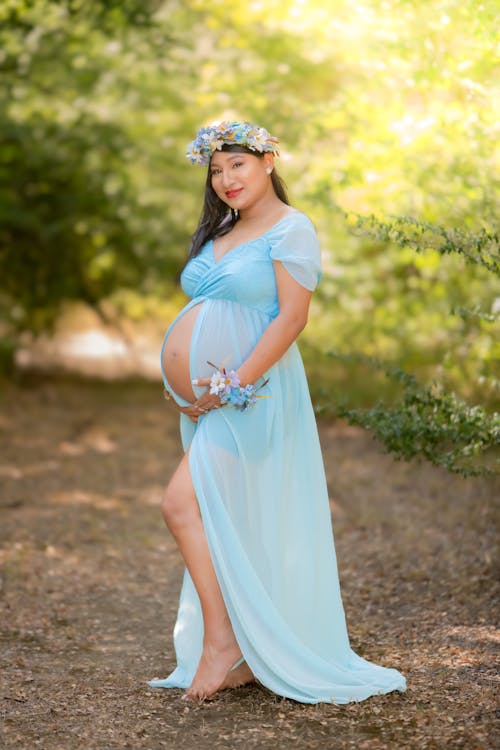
{"type": "Point", "coordinates": [212, 137]}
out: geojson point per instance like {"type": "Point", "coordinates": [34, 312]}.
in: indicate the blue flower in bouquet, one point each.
{"type": "Point", "coordinates": [249, 395]}
{"type": "Point", "coordinates": [236, 396]}
{"type": "Point", "coordinates": [227, 386]}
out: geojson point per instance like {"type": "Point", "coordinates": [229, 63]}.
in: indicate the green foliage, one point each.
{"type": "Point", "coordinates": [385, 109]}
{"type": "Point", "coordinates": [61, 236]}
{"type": "Point", "coordinates": [481, 247]}
{"type": "Point", "coordinates": [475, 312]}
{"type": "Point", "coordinates": [79, 216]}
{"type": "Point", "coordinates": [429, 422]}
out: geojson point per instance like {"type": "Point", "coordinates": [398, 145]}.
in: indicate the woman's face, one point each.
{"type": "Point", "coordinates": [240, 179]}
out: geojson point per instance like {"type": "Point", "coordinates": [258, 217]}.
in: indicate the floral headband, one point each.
{"type": "Point", "coordinates": [211, 138]}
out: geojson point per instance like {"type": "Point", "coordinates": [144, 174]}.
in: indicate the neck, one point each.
{"type": "Point", "coordinates": [265, 207]}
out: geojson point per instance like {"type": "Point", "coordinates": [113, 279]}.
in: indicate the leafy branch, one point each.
{"type": "Point", "coordinates": [466, 313]}
{"type": "Point", "coordinates": [428, 422]}
{"type": "Point", "coordinates": [481, 247]}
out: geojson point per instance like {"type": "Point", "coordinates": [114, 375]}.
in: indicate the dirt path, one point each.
{"type": "Point", "coordinates": [90, 580]}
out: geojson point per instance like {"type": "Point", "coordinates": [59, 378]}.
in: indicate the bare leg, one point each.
{"type": "Point", "coordinates": [220, 648]}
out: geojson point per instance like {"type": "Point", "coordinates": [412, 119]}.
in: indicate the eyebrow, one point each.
{"type": "Point", "coordinates": [236, 156]}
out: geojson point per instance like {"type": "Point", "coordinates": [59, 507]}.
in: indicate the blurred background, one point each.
{"type": "Point", "coordinates": [386, 110]}
{"type": "Point", "coordinates": [387, 113]}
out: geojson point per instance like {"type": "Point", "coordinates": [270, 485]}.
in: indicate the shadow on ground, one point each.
{"type": "Point", "coordinates": [90, 580]}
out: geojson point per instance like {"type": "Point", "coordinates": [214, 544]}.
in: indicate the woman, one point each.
{"type": "Point", "coordinates": [248, 503]}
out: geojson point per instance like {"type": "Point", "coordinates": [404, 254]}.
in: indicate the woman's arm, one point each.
{"type": "Point", "coordinates": [294, 302]}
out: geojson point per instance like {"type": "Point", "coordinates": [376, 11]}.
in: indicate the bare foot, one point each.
{"type": "Point", "coordinates": [215, 662]}
{"type": "Point", "coordinates": [242, 675]}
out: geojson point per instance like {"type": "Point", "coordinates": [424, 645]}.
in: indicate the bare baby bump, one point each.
{"type": "Point", "coordinates": [176, 354]}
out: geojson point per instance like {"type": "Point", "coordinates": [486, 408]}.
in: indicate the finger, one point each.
{"type": "Point", "coordinates": [204, 406]}
{"type": "Point", "coordinates": [191, 414]}
{"type": "Point", "coordinates": [183, 409]}
{"type": "Point", "coordinates": [209, 405]}
{"type": "Point", "coordinates": [208, 398]}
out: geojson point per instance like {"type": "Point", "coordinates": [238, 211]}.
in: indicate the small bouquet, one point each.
{"type": "Point", "coordinates": [227, 386]}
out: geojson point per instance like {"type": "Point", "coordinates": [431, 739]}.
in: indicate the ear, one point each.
{"type": "Point", "coordinates": [268, 160]}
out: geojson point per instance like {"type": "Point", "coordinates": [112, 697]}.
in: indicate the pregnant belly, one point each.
{"type": "Point", "coordinates": [224, 334]}
{"type": "Point", "coordinates": [176, 353]}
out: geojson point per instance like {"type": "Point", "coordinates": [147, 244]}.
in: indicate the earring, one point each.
{"type": "Point", "coordinates": [268, 170]}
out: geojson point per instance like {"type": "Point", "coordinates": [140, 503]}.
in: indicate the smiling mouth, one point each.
{"type": "Point", "coordinates": [233, 193]}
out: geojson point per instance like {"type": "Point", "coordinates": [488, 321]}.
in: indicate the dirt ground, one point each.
{"type": "Point", "coordinates": [90, 580]}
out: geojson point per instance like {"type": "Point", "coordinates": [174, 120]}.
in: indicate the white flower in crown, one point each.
{"type": "Point", "coordinates": [212, 141]}
{"type": "Point", "coordinates": [258, 139]}
{"type": "Point", "coordinates": [216, 144]}
{"type": "Point", "coordinates": [194, 154]}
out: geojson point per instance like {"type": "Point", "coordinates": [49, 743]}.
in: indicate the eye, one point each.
{"type": "Point", "coordinates": [237, 163]}
{"type": "Point", "coordinates": [214, 172]}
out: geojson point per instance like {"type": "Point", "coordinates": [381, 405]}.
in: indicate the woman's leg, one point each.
{"type": "Point", "coordinates": [220, 648]}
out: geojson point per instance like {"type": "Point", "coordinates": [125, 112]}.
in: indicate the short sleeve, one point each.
{"type": "Point", "coordinates": [295, 243]}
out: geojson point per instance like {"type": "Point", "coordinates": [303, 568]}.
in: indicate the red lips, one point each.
{"type": "Point", "coordinates": [233, 193]}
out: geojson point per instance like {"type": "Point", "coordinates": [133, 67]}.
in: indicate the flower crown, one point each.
{"type": "Point", "coordinates": [212, 137]}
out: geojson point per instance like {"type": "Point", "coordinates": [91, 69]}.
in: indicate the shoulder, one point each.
{"type": "Point", "coordinates": [295, 243]}
{"type": "Point", "coordinates": [295, 228]}
{"type": "Point", "coordinates": [293, 221]}
{"type": "Point", "coordinates": [302, 219]}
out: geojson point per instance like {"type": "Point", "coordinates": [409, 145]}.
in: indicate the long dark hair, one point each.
{"type": "Point", "coordinates": [216, 217]}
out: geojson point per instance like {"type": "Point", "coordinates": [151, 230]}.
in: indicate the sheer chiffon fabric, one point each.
{"type": "Point", "coordinates": [260, 483]}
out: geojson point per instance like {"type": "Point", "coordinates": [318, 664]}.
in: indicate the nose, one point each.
{"type": "Point", "coordinates": [227, 178]}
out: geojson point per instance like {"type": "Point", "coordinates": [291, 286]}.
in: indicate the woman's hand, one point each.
{"type": "Point", "coordinates": [205, 403]}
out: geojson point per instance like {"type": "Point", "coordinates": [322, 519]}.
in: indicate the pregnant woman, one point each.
{"type": "Point", "coordinates": [248, 503]}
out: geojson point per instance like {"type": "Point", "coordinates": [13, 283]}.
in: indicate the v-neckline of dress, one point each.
{"type": "Point", "coordinates": [242, 244]}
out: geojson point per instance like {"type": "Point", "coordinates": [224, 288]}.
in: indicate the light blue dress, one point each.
{"type": "Point", "coordinates": [260, 483]}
